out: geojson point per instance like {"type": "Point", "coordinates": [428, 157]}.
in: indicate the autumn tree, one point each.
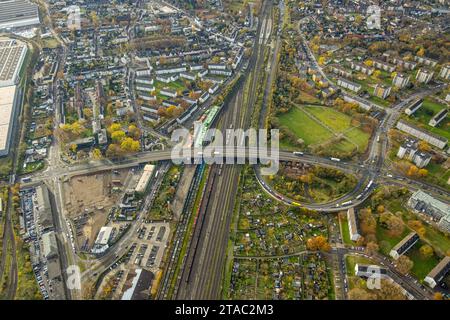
{"type": "Point", "coordinates": [389, 291]}
{"type": "Point", "coordinates": [134, 132]}
{"type": "Point", "coordinates": [417, 226]}
{"type": "Point", "coordinates": [426, 251]}
{"type": "Point", "coordinates": [97, 154]}
{"type": "Point", "coordinates": [360, 294]}
{"type": "Point", "coordinates": [318, 243]}
{"type": "Point", "coordinates": [413, 171]}
{"type": "Point", "coordinates": [395, 226]}
{"type": "Point", "coordinates": [404, 264]}
{"type": "Point", "coordinates": [437, 296]}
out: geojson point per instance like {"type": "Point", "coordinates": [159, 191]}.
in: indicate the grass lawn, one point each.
{"type": "Point", "coordinates": [336, 120]}
{"type": "Point", "coordinates": [386, 241]}
{"type": "Point", "coordinates": [313, 133]}
{"type": "Point", "coordinates": [352, 260]}
{"type": "Point", "coordinates": [304, 127]}
{"type": "Point", "coordinates": [307, 98]}
{"type": "Point", "coordinates": [437, 174]}
{"type": "Point", "coordinates": [175, 85]}
{"type": "Point", "coordinates": [346, 232]}
{"type": "Point", "coordinates": [437, 239]}
{"type": "Point", "coordinates": [421, 266]}
{"type": "Point", "coordinates": [425, 113]}
{"type": "Point", "coordinates": [50, 43]}
{"type": "Point", "coordinates": [359, 137]}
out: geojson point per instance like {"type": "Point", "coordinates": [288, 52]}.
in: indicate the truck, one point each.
{"type": "Point", "coordinates": [335, 159]}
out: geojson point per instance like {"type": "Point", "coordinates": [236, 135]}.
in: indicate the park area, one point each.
{"type": "Point", "coordinates": [299, 277]}
{"type": "Point", "coordinates": [323, 130]}
{"type": "Point", "coordinates": [311, 184]}
{"type": "Point", "coordinates": [422, 116]}
{"type": "Point", "coordinates": [162, 206]}
{"type": "Point", "coordinates": [266, 227]}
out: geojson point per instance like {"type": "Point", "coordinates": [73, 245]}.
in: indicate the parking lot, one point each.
{"type": "Point", "coordinates": [146, 252]}
{"type": "Point", "coordinates": [32, 235]}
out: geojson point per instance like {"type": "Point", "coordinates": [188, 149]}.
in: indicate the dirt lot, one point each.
{"type": "Point", "coordinates": [88, 199]}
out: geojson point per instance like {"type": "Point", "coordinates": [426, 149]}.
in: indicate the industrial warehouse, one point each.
{"type": "Point", "coordinates": [12, 56]}
{"type": "Point", "coordinates": [18, 13]}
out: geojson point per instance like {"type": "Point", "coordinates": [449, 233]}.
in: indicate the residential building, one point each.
{"type": "Point", "coordinates": [168, 93]}
{"type": "Point", "coordinates": [438, 272]}
{"type": "Point", "coordinates": [435, 140]}
{"type": "Point", "coordinates": [414, 106]}
{"type": "Point", "coordinates": [381, 91]}
{"type": "Point", "coordinates": [362, 103]}
{"type": "Point", "coordinates": [425, 61]}
{"type": "Point", "coordinates": [445, 72]}
{"type": "Point", "coordinates": [438, 117]}
{"type": "Point", "coordinates": [362, 68]}
{"type": "Point", "coordinates": [424, 76]}
{"type": "Point", "coordinates": [340, 71]}
{"type": "Point", "coordinates": [400, 80]}
{"type": "Point", "coordinates": [349, 85]}
{"type": "Point", "coordinates": [404, 245]}
{"type": "Point", "coordinates": [353, 225]}
{"type": "Point", "coordinates": [436, 209]}
{"type": "Point", "coordinates": [176, 69]}
{"type": "Point", "coordinates": [188, 76]}
{"type": "Point", "coordinates": [378, 64]}
{"type": "Point", "coordinates": [167, 78]}
{"type": "Point", "coordinates": [409, 150]}
{"type": "Point", "coordinates": [403, 63]}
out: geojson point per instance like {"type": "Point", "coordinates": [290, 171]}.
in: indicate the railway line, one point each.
{"type": "Point", "coordinates": [203, 277]}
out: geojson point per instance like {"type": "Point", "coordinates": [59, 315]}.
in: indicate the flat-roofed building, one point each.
{"type": "Point", "coordinates": [445, 72]}
{"type": "Point", "coordinates": [349, 85]}
{"type": "Point", "coordinates": [424, 76]}
{"type": "Point", "coordinates": [101, 243]}
{"type": "Point", "coordinates": [378, 64]}
{"type": "Point", "coordinates": [438, 272]}
{"type": "Point", "coordinates": [43, 208]}
{"type": "Point", "coordinates": [362, 68]}
{"type": "Point", "coordinates": [368, 271]}
{"type": "Point", "coordinates": [438, 117]}
{"type": "Point", "coordinates": [438, 210]}
{"type": "Point", "coordinates": [400, 80]}
{"type": "Point", "coordinates": [422, 134]}
{"type": "Point", "coordinates": [8, 100]}
{"type": "Point", "coordinates": [353, 225]}
{"type": "Point", "coordinates": [426, 61]}
{"type": "Point", "coordinates": [12, 56]}
{"type": "Point", "coordinates": [414, 106]}
{"type": "Point", "coordinates": [336, 69]}
{"type": "Point", "coordinates": [145, 178]}
{"type": "Point", "coordinates": [381, 91]}
{"type": "Point", "coordinates": [137, 285]}
{"type": "Point", "coordinates": [404, 245]}
{"type": "Point", "coordinates": [18, 13]}
{"type": "Point", "coordinates": [50, 247]}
